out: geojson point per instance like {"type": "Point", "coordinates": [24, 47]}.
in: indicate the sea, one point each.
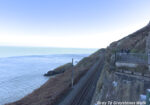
{"type": "Point", "coordinates": [22, 68]}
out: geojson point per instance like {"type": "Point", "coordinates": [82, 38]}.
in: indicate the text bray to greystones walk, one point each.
{"type": "Point", "coordinates": [120, 103]}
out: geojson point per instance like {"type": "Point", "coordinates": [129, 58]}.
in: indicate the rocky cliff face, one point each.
{"type": "Point", "coordinates": [111, 87]}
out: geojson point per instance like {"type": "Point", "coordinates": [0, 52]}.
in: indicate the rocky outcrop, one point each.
{"type": "Point", "coordinates": [59, 70]}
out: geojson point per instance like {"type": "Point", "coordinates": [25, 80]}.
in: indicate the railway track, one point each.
{"type": "Point", "coordinates": [85, 95]}
{"type": "Point", "coordinates": [82, 92]}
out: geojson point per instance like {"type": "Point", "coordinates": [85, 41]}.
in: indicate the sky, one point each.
{"type": "Point", "coordinates": [70, 23]}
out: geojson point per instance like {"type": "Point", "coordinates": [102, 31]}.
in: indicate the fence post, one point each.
{"type": "Point", "coordinates": [72, 76]}
{"type": "Point", "coordinates": [148, 97]}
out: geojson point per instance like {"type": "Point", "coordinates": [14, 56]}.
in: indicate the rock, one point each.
{"type": "Point", "coordinates": [59, 70]}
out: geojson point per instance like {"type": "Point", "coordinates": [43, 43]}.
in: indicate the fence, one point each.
{"type": "Point", "coordinates": [131, 58]}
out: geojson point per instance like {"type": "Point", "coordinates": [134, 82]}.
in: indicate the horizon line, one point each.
{"type": "Point", "coordinates": [48, 47]}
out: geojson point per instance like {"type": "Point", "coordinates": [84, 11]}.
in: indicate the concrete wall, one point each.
{"type": "Point", "coordinates": [122, 64]}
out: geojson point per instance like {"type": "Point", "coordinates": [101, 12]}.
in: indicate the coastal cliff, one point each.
{"type": "Point", "coordinates": [109, 86]}
{"type": "Point", "coordinates": [121, 87]}
{"type": "Point", "coordinates": [58, 86]}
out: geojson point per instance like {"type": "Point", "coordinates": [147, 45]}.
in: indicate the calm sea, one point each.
{"type": "Point", "coordinates": [22, 68]}
{"type": "Point", "coordinates": [22, 51]}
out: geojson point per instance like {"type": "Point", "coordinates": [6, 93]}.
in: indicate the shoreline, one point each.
{"type": "Point", "coordinates": [21, 76]}
{"type": "Point", "coordinates": [56, 87]}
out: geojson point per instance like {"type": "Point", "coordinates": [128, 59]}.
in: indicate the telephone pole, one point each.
{"type": "Point", "coordinates": [72, 76]}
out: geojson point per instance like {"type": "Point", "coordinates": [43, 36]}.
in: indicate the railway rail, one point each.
{"type": "Point", "coordinates": [83, 91]}
{"type": "Point", "coordinates": [84, 97]}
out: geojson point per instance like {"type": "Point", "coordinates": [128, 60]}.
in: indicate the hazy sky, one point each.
{"type": "Point", "coordinates": [70, 23]}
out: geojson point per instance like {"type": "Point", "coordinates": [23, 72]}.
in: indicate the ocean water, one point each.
{"type": "Point", "coordinates": [22, 69]}
{"type": "Point", "coordinates": [6, 51]}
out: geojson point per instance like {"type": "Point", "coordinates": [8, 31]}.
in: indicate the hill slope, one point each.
{"type": "Point", "coordinates": [119, 88]}
{"type": "Point", "coordinates": [56, 87]}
